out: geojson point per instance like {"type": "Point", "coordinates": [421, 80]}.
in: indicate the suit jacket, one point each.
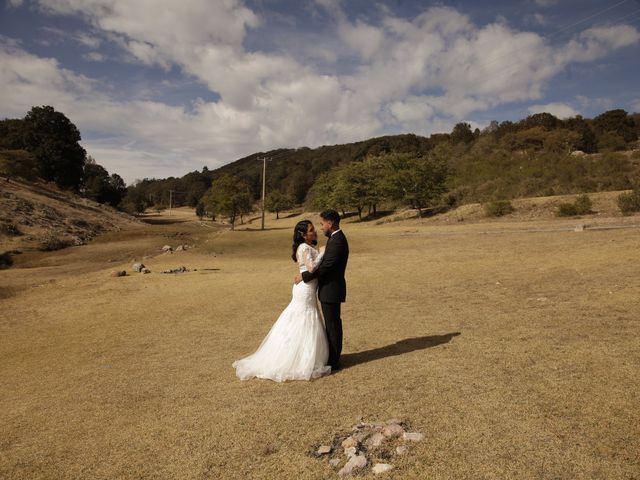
{"type": "Point", "coordinates": [332, 287]}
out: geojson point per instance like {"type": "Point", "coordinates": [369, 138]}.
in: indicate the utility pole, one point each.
{"type": "Point", "coordinates": [170, 193]}
{"type": "Point", "coordinates": [264, 184]}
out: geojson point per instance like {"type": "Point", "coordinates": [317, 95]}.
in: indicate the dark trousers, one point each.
{"type": "Point", "coordinates": [333, 326]}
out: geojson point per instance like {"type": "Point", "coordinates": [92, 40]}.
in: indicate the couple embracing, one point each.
{"type": "Point", "coordinates": [299, 345]}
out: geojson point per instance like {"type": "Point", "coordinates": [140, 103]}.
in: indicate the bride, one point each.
{"type": "Point", "coordinates": [296, 347]}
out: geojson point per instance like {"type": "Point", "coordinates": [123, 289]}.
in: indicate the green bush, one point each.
{"type": "Point", "coordinates": [629, 202]}
{"type": "Point", "coordinates": [583, 204]}
{"type": "Point", "coordinates": [580, 206]}
{"type": "Point", "coordinates": [498, 208]}
{"type": "Point", "coordinates": [566, 210]}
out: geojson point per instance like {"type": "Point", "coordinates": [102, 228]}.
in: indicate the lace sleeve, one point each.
{"type": "Point", "coordinates": [308, 257]}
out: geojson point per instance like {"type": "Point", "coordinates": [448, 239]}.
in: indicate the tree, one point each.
{"type": "Point", "coordinates": [321, 193]}
{"type": "Point", "coordinates": [616, 122]}
{"type": "Point", "coordinates": [277, 201]}
{"type": "Point", "coordinates": [54, 141]}
{"type": "Point", "coordinates": [18, 163]}
{"type": "Point", "coordinates": [416, 181]}
{"type": "Point", "coordinates": [462, 133]}
{"type": "Point", "coordinates": [99, 186]}
{"type": "Point", "coordinates": [228, 196]}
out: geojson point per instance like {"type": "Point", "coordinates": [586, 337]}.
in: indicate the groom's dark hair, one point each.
{"type": "Point", "coordinates": [332, 216]}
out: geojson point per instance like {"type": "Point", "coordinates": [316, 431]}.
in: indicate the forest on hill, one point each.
{"type": "Point", "coordinates": [538, 155]}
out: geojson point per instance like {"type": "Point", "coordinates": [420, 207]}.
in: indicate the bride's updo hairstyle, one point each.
{"type": "Point", "coordinates": [299, 232]}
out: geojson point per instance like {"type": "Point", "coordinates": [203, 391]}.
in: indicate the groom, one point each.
{"type": "Point", "coordinates": [332, 288]}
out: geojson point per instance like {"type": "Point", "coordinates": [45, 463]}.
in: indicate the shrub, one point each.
{"type": "Point", "coordinates": [51, 241]}
{"type": "Point", "coordinates": [498, 208]}
{"type": "Point", "coordinates": [583, 204]}
{"type": "Point", "coordinates": [566, 210]}
{"type": "Point", "coordinates": [9, 229]}
{"type": "Point", "coordinates": [580, 206]}
{"type": "Point", "coordinates": [5, 260]}
{"type": "Point", "coordinates": [629, 202]}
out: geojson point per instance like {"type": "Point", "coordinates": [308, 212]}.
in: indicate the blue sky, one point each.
{"type": "Point", "coordinates": [160, 88]}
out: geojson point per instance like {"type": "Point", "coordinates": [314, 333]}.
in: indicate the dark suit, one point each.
{"type": "Point", "coordinates": [332, 291]}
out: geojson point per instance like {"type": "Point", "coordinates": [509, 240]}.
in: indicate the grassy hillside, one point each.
{"type": "Point", "coordinates": [39, 216]}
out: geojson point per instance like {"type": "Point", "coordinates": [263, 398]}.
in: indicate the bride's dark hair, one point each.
{"type": "Point", "coordinates": [298, 236]}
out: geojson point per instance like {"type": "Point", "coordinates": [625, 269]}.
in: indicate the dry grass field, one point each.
{"type": "Point", "coordinates": [512, 345]}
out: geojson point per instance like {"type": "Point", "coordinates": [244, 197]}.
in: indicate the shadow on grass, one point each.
{"type": "Point", "coordinates": [399, 348]}
{"type": "Point", "coordinates": [162, 221]}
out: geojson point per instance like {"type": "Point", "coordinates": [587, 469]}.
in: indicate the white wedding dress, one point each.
{"type": "Point", "coordinates": [296, 347]}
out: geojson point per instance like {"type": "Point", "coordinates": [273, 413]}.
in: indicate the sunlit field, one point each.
{"type": "Point", "coordinates": [514, 349]}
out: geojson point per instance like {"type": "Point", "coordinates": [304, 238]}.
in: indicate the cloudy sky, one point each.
{"type": "Point", "coordinates": [161, 87]}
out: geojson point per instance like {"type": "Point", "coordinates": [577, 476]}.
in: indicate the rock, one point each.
{"type": "Point", "coordinates": [361, 436]}
{"type": "Point", "coordinates": [392, 430]}
{"type": "Point", "coordinates": [413, 436]}
{"type": "Point", "coordinates": [119, 273]}
{"type": "Point", "coordinates": [137, 267]}
{"type": "Point", "coordinates": [334, 462]}
{"type": "Point", "coordinates": [579, 228]}
{"type": "Point", "coordinates": [395, 421]}
{"type": "Point", "coordinates": [354, 463]}
{"type": "Point", "coordinates": [181, 248]}
{"type": "Point", "coordinates": [146, 270]}
{"type": "Point", "coordinates": [350, 442]}
{"type": "Point", "coordinates": [350, 451]}
{"type": "Point", "coordinates": [377, 425]}
{"type": "Point", "coordinates": [381, 468]}
{"type": "Point", "coordinates": [323, 450]}
{"type": "Point", "coordinates": [375, 440]}
{"type": "Point", "coordinates": [401, 450]}
{"type": "Point", "coordinates": [577, 153]}
{"type": "Point", "coordinates": [167, 248]}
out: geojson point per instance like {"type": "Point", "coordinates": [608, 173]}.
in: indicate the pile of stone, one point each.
{"type": "Point", "coordinates": [140, 268]}
{"type": "Point", "coordinates": [179, 248]}
{"type": "Point", "coordinates": [176, 270]}
{"type": "Point", "coordinates": [369, 444]}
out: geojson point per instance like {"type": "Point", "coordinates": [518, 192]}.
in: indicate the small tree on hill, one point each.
{"type": "Point", "coordinates": [229, 196]}
{"type": "Point", "coordinates": [416, 181]}
{"type": "Point", "coordinates": [277, 202]}
{"type": "Point", "coordinates": [54, 141]}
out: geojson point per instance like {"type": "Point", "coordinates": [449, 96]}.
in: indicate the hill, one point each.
{"type": "Point", "coordinates": [40, 216]}
{"type": "Point", "coordinates": [540, 155]}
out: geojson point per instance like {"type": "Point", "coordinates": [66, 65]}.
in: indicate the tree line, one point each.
{"type": "Point", "coordinates": [539, 155]}
{"type": "Point", "coordinates": [45, 145]}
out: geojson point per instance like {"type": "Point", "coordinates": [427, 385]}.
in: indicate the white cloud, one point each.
{"type": "Point", "coordinates": [600, 104]}
{"type": "Point", "coordinates": [95, 57]}
{"type": "Point", "coordinates": [557, 109]}
{"type": "Point", "coordinates": [422, 75]}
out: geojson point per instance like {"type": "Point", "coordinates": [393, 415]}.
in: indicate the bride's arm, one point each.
{"type": "Point", "coordinates": [310, 264]}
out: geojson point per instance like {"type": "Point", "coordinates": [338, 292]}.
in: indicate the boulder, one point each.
{"type": "Point", "coordinates": [375, 440]}
{"type": "Point", "coordinates": [350, 451]}
{"type": "Point", "coordinates": [393, 430]}
{"type": "Point", "coordinates": [379, 468]}
{"type": "Point", "coordinates": [323, 450]}
{"type": "Point", "coordinates": [355, 463]}
{"type": "Point", "coordinates": [350, 442]}
{"type": "Point", "coordinates": [413, 437]}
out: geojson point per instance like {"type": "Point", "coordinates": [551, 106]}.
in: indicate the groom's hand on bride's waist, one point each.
{"type": "Point", "coordinates": [298, 279]}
